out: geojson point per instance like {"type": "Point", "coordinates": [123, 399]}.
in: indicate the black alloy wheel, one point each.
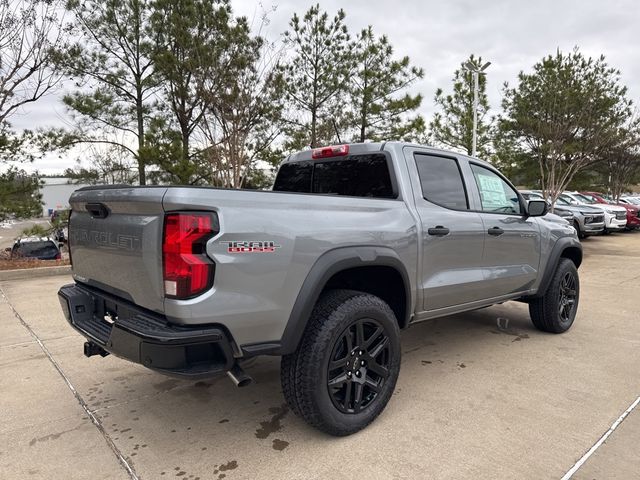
{"type": "Point", "coordinates": [358, 366]}
{"type": "Point", "coordinates": [568, 294]}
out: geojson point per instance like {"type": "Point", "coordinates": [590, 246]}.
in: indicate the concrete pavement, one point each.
{"type": "Point", "coordinates": [480, 395]}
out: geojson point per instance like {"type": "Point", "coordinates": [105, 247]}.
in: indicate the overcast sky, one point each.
{"type": "Point", "coordinates": [437, 36]}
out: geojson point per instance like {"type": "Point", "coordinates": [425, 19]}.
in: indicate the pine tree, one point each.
{"type": "Point", "coordinates": [201, 50]}
{"type": "Point", "coordinates": [19, 194]}
{"type": "Point", "coordinates": [316, 78]}
{"type": "Point", "coordinates": [452, 126]}
{"type": "Point", "coordinates": [112, 67]}
{"type": "Point", "coordinates": [565, 115]}
{"type": "Point", "coordinates": [381, 112]}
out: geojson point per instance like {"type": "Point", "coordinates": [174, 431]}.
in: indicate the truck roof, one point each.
{"type": "Point", "coordinates": [371, 147]}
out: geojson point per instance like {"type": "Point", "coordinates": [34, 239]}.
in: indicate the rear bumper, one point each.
{"type": "Point", "coordinates": [143, 337]}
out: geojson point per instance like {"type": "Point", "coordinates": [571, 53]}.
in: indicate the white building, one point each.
{"type": "Point", "coordinates": [56, 192]}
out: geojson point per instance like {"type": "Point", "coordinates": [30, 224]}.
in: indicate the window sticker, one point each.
{"type": "Point", "coordinates": [492, 191]}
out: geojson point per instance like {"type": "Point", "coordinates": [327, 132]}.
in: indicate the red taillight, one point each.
{"type": "Point", "coordinates": [58, 256]}
{"type": "Point", "coordinates": [187, 269]}
{"type": "Point", "coordinates": [333, 151]}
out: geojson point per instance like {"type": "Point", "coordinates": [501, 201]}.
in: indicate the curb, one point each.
{"type": "Point", "coordinates": [25, 273]}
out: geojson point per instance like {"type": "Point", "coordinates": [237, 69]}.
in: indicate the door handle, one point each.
{"type": "Point", "coordinates": [438, 231]}
{"type": "Point", "coordinates": [97, 210]}
{"type": "Point", "coordinates": [495, 231]}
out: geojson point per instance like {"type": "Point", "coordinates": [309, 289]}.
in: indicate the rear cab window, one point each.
{"type": "Point", "coordinates": [355, 175]}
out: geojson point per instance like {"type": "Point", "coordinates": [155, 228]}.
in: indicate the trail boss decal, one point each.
{"type": "Point", "coordinates": [251, 247]}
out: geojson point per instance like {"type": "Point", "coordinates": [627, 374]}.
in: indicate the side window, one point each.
{"type": "Point", "coordinates": [441, 181]}
{"type": "Point", "coordinates": [496, 195]}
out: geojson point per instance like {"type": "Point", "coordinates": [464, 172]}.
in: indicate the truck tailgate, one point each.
{"type": "Point", "coordinates": [115, 239]}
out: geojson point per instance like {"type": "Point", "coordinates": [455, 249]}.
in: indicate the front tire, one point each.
{"type": "Point", "coordinates": [345, 369]}
{"type": "Point", "coordinates": [556, 310]}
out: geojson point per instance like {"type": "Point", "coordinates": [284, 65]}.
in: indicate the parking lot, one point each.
{"type": "Point", "coordinates": [10, 230]}
{"type": "Point", "coordinates": [480, 395]}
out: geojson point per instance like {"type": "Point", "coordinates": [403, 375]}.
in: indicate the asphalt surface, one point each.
{"type": "Point", "coordinates": [480, 395]}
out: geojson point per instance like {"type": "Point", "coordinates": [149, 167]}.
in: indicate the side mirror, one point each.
{"type": "Point", "coordinates": [537, 208]}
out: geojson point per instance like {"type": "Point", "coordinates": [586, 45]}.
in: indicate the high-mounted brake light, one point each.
{"type": "Point", "coordinates": [187, 269]}
{"type": "Point", "coordinates": [332, 151]}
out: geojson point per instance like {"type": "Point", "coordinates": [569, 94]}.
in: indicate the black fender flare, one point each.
{"type": "Point", "coordinates": [325, 267]}
{"type": "Point", "coordinates": [554, 258]}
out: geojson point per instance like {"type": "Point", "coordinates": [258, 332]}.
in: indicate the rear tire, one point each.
{"type": "Point", "coordinates": [556, 310]}
{"type": "Point", "coordinates": [345, 369]}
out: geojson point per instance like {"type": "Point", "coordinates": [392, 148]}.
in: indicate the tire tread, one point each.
{"type": "Point", "coordinates": [299, 369]}
{"type": "Point", "coordinates": [544, 310]}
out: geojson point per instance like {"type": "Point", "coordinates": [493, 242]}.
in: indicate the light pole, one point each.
{"type": "Point", "coordinates": [475, 72]}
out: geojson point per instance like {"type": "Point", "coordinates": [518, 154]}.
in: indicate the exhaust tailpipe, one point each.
{"type": "Point", "coordinates": [238, 376]}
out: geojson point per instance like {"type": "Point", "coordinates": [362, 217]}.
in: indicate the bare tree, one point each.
{"type": "Point", "coordinates": [242, 121]}
{"type": "Point", "coordinates": [30, 30]}
{"type": "Point", "coordinates": [622, 162]}
{"type": "Point", "coordinates": [622, 168]}
{"type": "Point", "coordinates": [109, 166]}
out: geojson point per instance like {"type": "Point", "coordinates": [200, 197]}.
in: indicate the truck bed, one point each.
{"type": "Point", "coordinates": [122, 253]}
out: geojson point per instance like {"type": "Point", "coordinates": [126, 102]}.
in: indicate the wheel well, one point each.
{"type": "Point", "coordinates": [574, 254]}
{"type": "Point", "coordinates": [382, 281]}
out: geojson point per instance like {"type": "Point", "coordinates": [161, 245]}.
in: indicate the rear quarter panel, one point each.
{"type": "Point", "coordinates": [254, 293]}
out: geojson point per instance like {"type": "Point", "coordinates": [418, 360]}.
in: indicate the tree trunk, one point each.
{"type": "Point", "coordinates": [314, 121]}
{"type": "Point", "coordinates": [141, 153]}
{"type": "Point", "coordinates": [363, 111]}
{"type": "Point", "coordinates": [314, 111]}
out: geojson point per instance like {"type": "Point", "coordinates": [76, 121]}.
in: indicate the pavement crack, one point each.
{"type": "Point", "coordinates": [94, 419]}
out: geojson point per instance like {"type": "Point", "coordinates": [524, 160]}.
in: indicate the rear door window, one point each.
{"type": "Point", "coordinates": [355, 176]}
{"type": "Point", "coordinates": [441, 181]}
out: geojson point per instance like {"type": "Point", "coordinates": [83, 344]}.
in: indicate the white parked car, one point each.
{"type": "Point", "coordinates": [615, 217]}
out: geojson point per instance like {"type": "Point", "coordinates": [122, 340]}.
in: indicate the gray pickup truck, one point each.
{"type": "Point", "coordinates": [354, 243]}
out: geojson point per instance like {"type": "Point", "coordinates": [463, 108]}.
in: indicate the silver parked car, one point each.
{"type": "Point", "coordinates": [615, 217]}
{"type": "Point", "coordinates": [585, 219]}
